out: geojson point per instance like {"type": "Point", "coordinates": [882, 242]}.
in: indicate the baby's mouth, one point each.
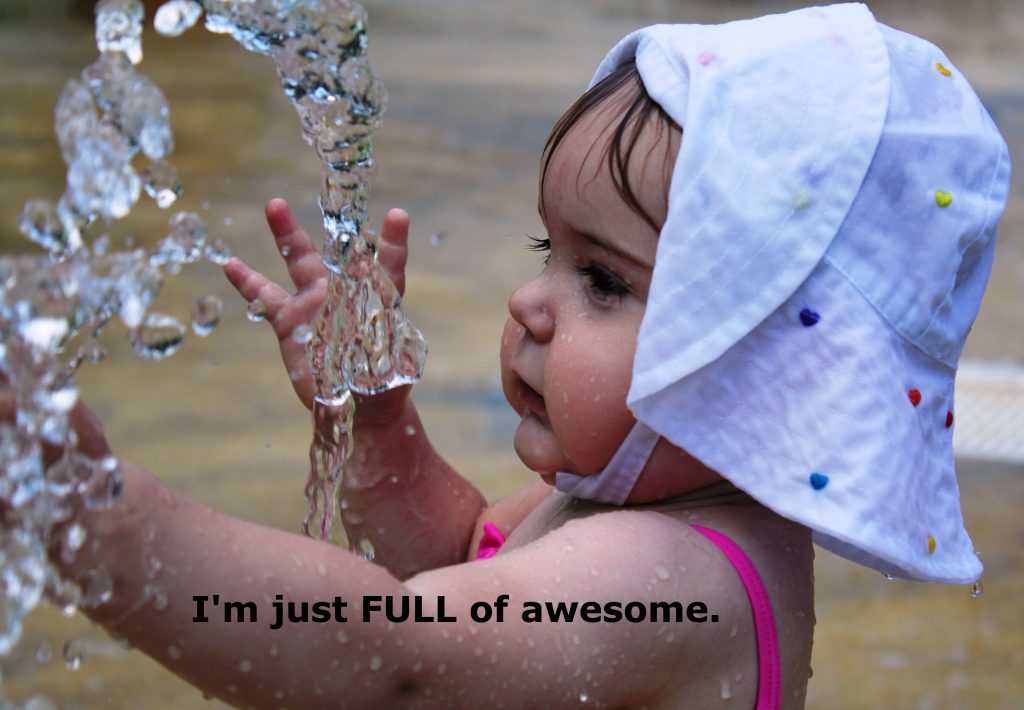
{"type": "Point", "coordinates": [533, 400]}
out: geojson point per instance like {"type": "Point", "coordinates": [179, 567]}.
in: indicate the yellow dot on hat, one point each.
{"type": "Point", "coordinates": [931, 545]}
{"type": "Point", "coordinates": [943, 199]}
{"type": "Point", "coordinates": [942, 69]}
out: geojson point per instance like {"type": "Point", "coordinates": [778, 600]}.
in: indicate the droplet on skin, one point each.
{"type": "Point", "coordinates": [173, 652]}
{"type": "Point", "coordinates": [286, 250]}
{"type": "Point", "coordinates": [303, 333]}
{"type": "Point", "coordinates": [245, 666]}
{"type": "Point", "coordinates": [375, 663]}
{"type": "Point", "coordinates": [662, 572]}
{"type": "Point", "coordinates": [726, 689]}
{"type": "Point", "coordinates": [410, 430]}
{"type": "Point", "coordinates": [256, 310]}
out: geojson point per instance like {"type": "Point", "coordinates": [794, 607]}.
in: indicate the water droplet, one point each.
{"type": "Point", "coordinates": [159, 336]}
{"type": "Point", "coordinates": [365, 548]}
{"type": "Point", "coordinates": [176, 16]}
{"type": "Point", "coordinates": [662, 572]}
{"type": "Point", "coordinates": [977, 590]}
{"type": "Point", "coordinates": [286, 250]}
{"type": "Point", "coordinates": [437, 237]}
{"type": "Point", "coordinates": [256, 311]}
{"type": "Point", "coordinates": [303, 333]}
{"type": "Point", "coordinates": [410, 430]}
{"type": "Point", "coordinates": [341, 637]}
{"type": "Point", "coordinates": [74, 654]}
{"type": "Point", "coordinates": [245, 666]}
{"type": "Point", "coordinates": [375, 663]}
{"type": "Point", "coordinates": [228, 221]}
{"type": "Point", "coordinates": [217, 252]}
{"type": "Point", "coordinates": [44, 652]}
{"type": "Point", "coordinates": [161, 182]}
{"type": "Point", "coordinates": [173, 652]}
{"type": "Point", "coordinates": [584, 698]}
{"type": "Point", "coordinates": [206, 313]}
{"type": "Point", "coordinates": [726, 689]}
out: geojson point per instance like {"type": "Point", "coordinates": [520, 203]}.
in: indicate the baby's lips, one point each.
{"type": "Point", "coordinates": [532, 399]}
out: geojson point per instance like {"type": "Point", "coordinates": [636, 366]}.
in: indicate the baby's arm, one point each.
{"type": "Point", "coordinates": [416, 510]}
{"type": "Point", "coordinates": [357, 664]}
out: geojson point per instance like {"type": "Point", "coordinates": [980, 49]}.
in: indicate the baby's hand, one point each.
{"type": "Point", "coordinates": [286, 311]}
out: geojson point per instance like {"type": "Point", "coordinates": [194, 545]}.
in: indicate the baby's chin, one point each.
{"type": "Point", "coordinates": [538, 449]}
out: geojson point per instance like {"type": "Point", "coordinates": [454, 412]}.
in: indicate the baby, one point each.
{"type": "Point", "coordinates": [766, 242]}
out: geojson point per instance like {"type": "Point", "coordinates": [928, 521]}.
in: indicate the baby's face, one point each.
{"type": "Point", "coordinates": [567, 350]}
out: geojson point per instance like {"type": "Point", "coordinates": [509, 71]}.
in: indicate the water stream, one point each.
{"type": "Point", "coordinates": [53, 308]}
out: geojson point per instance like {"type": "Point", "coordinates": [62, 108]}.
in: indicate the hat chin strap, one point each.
{"type": "Point", "coordinates": [613, 484]}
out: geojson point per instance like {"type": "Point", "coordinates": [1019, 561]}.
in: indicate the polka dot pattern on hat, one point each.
{"type": "Point", "coordinates": [943, 199]}
{"type": "Point", "coordinates": [818, 480]}
{"type": "Point", "coordinates": [942, 69]}
{"type": "Point", "coordinates": [809, 317]}
{"type": "Point", "coordinates": [914, 396]}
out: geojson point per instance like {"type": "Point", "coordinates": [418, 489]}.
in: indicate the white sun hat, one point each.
{"type": "Point", "coordinates": [830, 231]}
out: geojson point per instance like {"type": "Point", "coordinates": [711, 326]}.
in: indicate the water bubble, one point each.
{"type": "Point", "coordinates": [159, 336]}
{"type": "Point", "coordinates": [303, 333]}
{"type": "Point", "coordinates": [175, 17]}
{"type": "Point", "coordinates": [256, 310]}
{"type": "Point", "coordinates": [206, 313]}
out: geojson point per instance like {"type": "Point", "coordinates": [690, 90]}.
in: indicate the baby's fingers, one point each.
{"type": "Point", "coordinates": [251, 284]}
{"type": "Point", "coordinates": [305, 266]}
{"type": "Point", "coordinates": [393, 246]}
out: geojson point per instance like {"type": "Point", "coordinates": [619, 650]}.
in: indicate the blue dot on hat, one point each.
{"type": "Point", "coordinates": [818, 481]}
{"type": "Point", "coordinates": [809, 317]}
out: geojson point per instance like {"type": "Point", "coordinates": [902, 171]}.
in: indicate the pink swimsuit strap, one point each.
{"type": "Point", "coordinates": [769, 667]}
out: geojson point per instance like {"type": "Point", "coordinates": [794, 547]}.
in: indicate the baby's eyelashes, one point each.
{"type": "Point", "coordinates": [538, 244]}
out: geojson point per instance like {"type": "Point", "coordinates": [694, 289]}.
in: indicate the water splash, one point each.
{"type": "Point", "coordinates": [363, 342]}
{"type": "Point", "coordinates": [54, 307]}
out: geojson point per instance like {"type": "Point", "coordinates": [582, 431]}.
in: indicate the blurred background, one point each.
{"type": "Point", "coordinates": [475, 86]}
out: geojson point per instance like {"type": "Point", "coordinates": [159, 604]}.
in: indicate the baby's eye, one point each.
{"type": "Point", "coordinates": [603, 283]}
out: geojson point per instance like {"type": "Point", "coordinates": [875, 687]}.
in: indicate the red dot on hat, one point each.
{"type": "Point", "coordinates": [915, 397]}
{"type": "Point", "coordinates": [949, 419]}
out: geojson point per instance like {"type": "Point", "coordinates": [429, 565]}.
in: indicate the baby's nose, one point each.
{"type": "Point", "coordinates": [529, 307]}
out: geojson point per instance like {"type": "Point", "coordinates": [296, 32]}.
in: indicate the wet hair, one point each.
{"type": "Point", "coordinates": [639, 107]}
